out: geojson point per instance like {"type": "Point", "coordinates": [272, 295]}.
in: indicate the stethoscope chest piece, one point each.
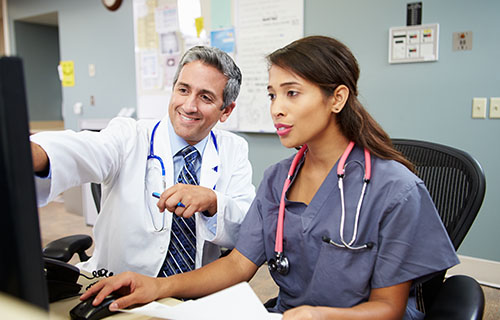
{"type": "Point", "coordinates": [280, 264]}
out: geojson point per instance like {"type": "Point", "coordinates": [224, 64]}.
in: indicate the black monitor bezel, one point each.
{"type": "Point", "coordinates": [21, 267]}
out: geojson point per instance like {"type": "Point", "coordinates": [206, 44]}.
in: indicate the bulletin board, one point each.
{"type": "Point", "coordinates": [161, 38]}
{"type": "Point", "coordinates": [248, 30]}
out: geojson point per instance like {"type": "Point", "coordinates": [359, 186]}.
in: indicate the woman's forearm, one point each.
{"type": "Point", "coordinates": [218, 275]}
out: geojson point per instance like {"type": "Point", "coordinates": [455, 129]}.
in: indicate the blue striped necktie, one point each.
{"type": "Point", "coordinates": [182, 248]}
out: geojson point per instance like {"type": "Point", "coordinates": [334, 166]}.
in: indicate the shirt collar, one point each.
{"type": "Point", "coordinates": [177, 143]}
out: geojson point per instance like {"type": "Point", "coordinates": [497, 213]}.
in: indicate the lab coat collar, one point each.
{"type": "Point", "coordinates": [210, 171]}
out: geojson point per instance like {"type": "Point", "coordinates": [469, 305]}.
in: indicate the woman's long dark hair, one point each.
{"type": "Point", "coordinates": [328, 63]}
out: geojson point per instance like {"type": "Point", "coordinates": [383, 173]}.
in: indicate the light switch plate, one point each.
{"type": "Point", "coordinates": [77, 108]}
{"type": "Point", "coordinates": [479, 108]}
{"type": "Point", "coordinates": [494, 108]}
{"type": "Point", "coordinates": [91, 70]}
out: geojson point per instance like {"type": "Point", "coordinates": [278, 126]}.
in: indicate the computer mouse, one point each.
{"type": "Point", "coordinates": [86, 311]}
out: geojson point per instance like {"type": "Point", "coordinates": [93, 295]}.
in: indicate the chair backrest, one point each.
{"type": "Point", "coordinates": [456, 183]}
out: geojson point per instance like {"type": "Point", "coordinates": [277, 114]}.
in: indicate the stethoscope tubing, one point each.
{"type": "Point", "coordinates": [278, 248]}
{"type": "Point", "coordinates": [281, 213]}
{"type": "Point", "coordinates": [152, 155]}
{"type": "Point", "coordinates": [340, 174]}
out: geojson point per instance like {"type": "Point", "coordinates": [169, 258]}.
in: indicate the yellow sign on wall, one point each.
{"type": "Point", "coordinates": [68, 73]}
{"type": "Point", "coordinates": [199, 24]}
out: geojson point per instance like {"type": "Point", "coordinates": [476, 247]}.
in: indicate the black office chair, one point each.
{"type": "Point", "coordinates": [457, 184]}
{"type": "Point", "coordinates": [64, 248]}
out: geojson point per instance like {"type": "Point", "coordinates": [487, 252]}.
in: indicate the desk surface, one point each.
{"type": "Point", "coordinates": [60, 309]}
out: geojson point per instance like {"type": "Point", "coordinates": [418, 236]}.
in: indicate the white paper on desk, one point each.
{"type": "Point", "coordinates": [236, 302]}
{"type": "Point", "coordinates": [155, 309]}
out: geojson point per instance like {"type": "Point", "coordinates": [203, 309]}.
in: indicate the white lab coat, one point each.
{"type": "Point", "coordinates": [125, 239]}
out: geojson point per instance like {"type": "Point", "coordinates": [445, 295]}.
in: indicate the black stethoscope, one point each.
{"type": "Point", "coordinates": [280, 263]}
{"type": "Point", "coordinates": [152, 156]}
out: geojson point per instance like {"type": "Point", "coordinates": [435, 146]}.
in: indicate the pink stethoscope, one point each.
{"type": "Point", "coordinates": [280, 263]}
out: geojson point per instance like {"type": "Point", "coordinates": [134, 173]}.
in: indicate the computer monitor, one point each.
{"type": "Point", "coordinates": [21, 264]}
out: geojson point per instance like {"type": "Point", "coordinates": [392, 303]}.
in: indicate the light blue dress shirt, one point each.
{"type": "Point", "coordinates": [176, 145]}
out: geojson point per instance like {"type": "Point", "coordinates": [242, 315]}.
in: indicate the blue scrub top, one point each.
{"type": "Point", "coordinates": [397, 215]}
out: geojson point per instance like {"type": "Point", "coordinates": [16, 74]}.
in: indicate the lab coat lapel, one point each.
{"type": "Point", "coordinates": [210, 171]}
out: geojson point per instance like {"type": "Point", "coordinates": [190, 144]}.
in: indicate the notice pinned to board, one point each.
{"type": "Point", "coordinates": [262, 26]}
{"type": "Point", "coordinates": [199, 23]}
{"type": "Point", "coordinates": [220, 14]}
{"type": "Point", "coordinates": [224, 40]}
{"type": "Point", "coordinates": [67, 73]}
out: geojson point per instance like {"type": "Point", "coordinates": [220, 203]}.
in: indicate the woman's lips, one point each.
{"type": "Point", "coordinates": [282, 129]}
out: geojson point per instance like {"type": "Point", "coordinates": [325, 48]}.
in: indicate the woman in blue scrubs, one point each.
{"type": "Point", "coordinates": [348, 250]}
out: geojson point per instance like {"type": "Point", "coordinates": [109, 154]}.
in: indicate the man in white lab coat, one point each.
{"type": "Point", "coordinates": [134, 159]}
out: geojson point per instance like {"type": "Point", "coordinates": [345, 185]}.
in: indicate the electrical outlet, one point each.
{"type": "Point", "coordinates": [462, 41]}
{"type": "Point", "coordinates": [495, 108]}
{"type": "Point", "coordinates": [479, 108]}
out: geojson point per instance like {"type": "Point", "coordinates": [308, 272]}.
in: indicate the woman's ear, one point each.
{"type": "Point", "coordinates": [339, 98]}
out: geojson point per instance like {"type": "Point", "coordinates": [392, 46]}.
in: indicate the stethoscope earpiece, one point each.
{"type": "Point", "coordinates": [367, 245]}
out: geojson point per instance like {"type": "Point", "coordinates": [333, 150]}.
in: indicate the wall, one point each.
{"type": "Point", "coordinates": [89, 34]}
{"type": "Point", "coordinates": [428, 101]}
{"type": "Point", "coordinates": [38, 46]}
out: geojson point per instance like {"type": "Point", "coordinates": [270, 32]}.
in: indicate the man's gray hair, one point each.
{"type": "Point", "coordinates": [219, 60]}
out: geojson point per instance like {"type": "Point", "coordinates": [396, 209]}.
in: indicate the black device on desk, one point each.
{"type": "Point", "coordinates": [23, 272]}
{"type": "Point", "coordinates": [86, 311]}
{"type": "Point", "coordinates": [21, 266]}
{"type": "Point", "coordinates": [61, 279]}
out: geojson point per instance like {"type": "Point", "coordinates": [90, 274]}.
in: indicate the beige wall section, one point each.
{"type": "Point", "coordinates": [2, 33]}
{"type": "Point", "coordinates": [486, 272]}
{"type": "Point", "coordinates": [4, 29]}
{"type": "Point", "coordinates": [37, 126]}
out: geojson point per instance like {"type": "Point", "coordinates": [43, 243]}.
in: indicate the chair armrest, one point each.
{"type": "Point", "coordinates": [460, 297]}
{"type": "Point", "coordinates": [63, 249]}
